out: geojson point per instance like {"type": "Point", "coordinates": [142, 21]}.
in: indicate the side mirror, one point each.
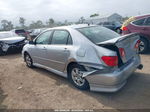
{"type": "Point", "coordinates": [31, 42]}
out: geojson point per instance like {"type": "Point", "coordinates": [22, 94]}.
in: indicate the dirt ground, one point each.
{"type": "Point", "coordinates": [24, 88]}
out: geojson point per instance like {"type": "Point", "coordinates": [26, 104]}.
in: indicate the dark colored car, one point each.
{"type": "Point", "coordinates": [21, 32]}
{"type": "Point", "coordinates": [113, 25]}
{"type": "Point", "coordinates": [36, 32]}
{"type": "Point", "coordinates": [141, 25]}
{"type": "Point", "coordinates": [9, 41]}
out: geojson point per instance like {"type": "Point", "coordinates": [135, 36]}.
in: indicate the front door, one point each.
{"type": "Point", "coordinates": [39, 50]}
{"type": "Point", "coordinates": [59, 50]}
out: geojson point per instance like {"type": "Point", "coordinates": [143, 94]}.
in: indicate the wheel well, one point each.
{"type": "Point", "coordinates": [143, 37]}
{"type": "Point", "coordinates": [69, 65]}
{"type": "Point", "coordinates": [25, 54]}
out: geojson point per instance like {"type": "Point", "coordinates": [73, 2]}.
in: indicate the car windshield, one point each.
{"type": "Point", "coordinates": [7, 35]}
{"type": "Point", "coordinates": [98, 34]}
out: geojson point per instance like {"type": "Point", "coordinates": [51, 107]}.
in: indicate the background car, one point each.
{"type": "Point", "coordinates": [89, 56]}
{"type": "Point", "coordinates": [141, 25]}
{"type": "Point", "coordinates": [21, 32]}
{"type": "Point", "coordinates": [113, 25]}
{"type": "Point", "coordinates": [10, 41]}
{"type": "Point", "coordinates": [36, 32]}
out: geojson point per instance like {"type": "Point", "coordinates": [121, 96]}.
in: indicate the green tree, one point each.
{"type": "Point", "coordinates": [37, 24]}
{"type": "Point", "coordinates": [81, 20]}
{"type": "Point", "coordinates": [50, 22]}
{"type": "Point", "coordinates": [94, 15]}
{"type": "Point", "coordinates": [6, 25]}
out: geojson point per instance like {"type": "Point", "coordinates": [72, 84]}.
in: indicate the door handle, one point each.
{"type": "Point", "coordinates": [43, 48]}
{"type": "Point", "coordinates": [143, 28]}
{"type": "Point", "coordinates": [65, 50]}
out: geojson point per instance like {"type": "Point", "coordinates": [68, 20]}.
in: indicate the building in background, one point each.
{"type": "Point", "coordinates": [99, 19]}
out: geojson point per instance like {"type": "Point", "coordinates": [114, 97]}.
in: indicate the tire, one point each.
{"type": "Point", "coordinates": [1, 52]}
{"type": "Point", "coordinates": [75, 77]}
{"type": "Point", "coordinates": [143, 46]}
{"type": "Point", "coordinates": [28, 60]}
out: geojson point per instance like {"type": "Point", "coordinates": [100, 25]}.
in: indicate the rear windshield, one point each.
{"type": "Point", "coordinates": [98, 34]}
{"type": "Point", "coordinates": [20, 31]}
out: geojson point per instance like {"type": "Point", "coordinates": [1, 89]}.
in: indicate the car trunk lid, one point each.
{"type": "Point", "coordinates": [126, 42]}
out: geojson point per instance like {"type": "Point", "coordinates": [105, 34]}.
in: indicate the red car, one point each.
{"type": "Point", "coordinates": [141, 25]}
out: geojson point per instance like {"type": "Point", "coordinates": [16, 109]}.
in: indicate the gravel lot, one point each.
{"type": "Point", "coordinates": [24, 88]}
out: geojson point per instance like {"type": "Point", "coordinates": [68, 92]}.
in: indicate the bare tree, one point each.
{"type": "Point", "coordinates": [50, 22]}
{"type": "Point", "coordinates": [37, 24]}
{"type": "Point", "coordinates": [6, 25]}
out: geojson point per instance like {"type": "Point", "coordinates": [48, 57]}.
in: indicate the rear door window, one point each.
{"type": "Point", "coordinates": [139, 22]}
{"type": "Point", "coordinates": [147, 23]}
{"type": "Point", "coordinates": [60, 37]}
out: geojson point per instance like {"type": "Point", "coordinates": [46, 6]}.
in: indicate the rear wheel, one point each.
{"type": "Point", "coordinates": [28, 60]}
{"type": "Point", "coordinates": [75, 76]}
{"type": "Point", "coordinates": [143, 47]}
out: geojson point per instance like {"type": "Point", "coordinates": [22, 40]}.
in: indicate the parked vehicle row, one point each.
{"type": "Point", "coordinates": [90, 56]}
{"type": "Point", "coordinates": [21, 32]}
{"type": "Point", "coordinates": [113, 25]}
{"type": "Point", "coordinates": [36, 32]}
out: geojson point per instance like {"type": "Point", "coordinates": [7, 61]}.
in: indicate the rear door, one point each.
{"type": "Point", "coordinates": [59, 50]}
{"type": "Point", "coordinates": [146, 27]}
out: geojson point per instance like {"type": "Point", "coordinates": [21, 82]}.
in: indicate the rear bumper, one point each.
{"type": "Point", "coordinates": [113, 81]}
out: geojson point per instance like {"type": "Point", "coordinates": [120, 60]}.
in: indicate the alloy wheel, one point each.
{"type": "Point", "coordinates": [77, 76]}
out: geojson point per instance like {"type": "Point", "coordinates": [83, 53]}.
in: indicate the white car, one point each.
{"type": "Point", "coordinates": [10, 41]}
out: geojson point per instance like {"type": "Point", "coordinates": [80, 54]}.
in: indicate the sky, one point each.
{"type": "Point", "coordinates": [71, 10]}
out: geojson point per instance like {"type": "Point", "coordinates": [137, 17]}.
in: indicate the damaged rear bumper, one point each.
{"type": "Point", "coordinates": [112, 81]}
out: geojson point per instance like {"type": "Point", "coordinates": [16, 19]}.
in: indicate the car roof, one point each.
{"type": "Point", "coordinates": [75, 26]}
{"type": "Point", "coordinates": [142, 16]}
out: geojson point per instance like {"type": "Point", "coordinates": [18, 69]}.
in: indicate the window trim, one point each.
{"type": "Point", "coordinates": [41, 34]}
{"type": "Point", "coordinates": [146, 21]}
{"type": "Point", "coordinates": [67, 37]}
{"type": "Point", "coordinates": [140, 19]}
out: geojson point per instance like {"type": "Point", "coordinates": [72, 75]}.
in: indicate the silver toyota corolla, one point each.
{"type": "Point", "coordinates": [90, 56]}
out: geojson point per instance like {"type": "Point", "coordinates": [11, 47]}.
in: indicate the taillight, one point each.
{"type": "Point", "coordinates": [122, 52]}
{"type": "Point", "coordinates": [124, 28]}
{"type": "Point", "coordinates": [110, 60]}
{"type": "Point", "coordinates": [137, 44]}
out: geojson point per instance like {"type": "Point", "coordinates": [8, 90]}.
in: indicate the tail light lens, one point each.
{"type": "Point", "coordinates": [137, 44]}
{"type": "Point", "coordinates": [110, 60]}
{"type": "Point", "coordinates": [124, 28]}
{"type": "Point", "coordinates": [122, 52]}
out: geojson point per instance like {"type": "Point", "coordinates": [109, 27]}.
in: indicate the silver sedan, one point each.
{"type": "Point", "coordinates": [90, 56]}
